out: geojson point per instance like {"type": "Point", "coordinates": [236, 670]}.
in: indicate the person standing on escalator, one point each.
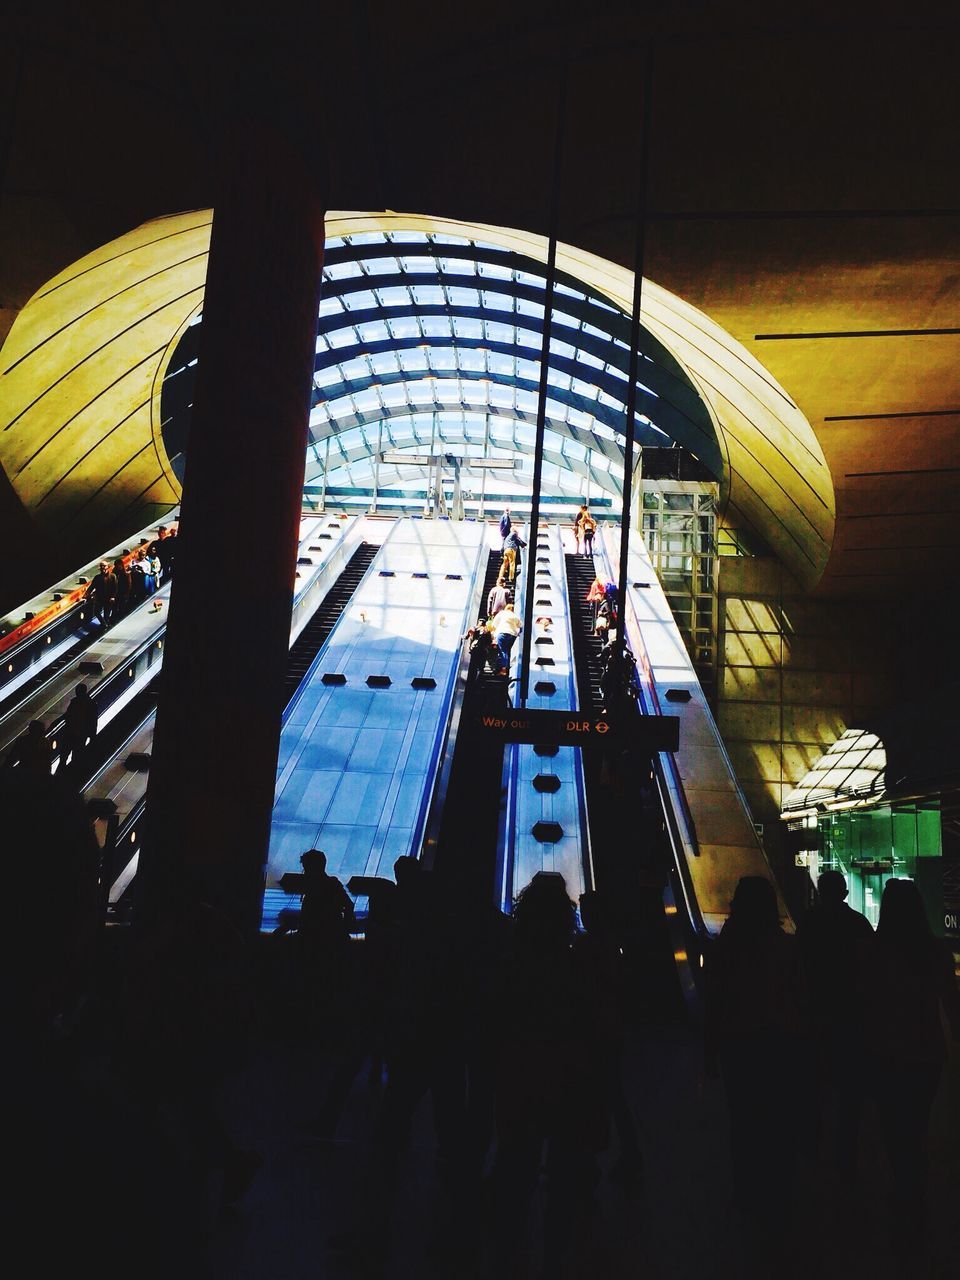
{"type": "Point", "coordinates": [497, 597]}
{"type": "Point", "coordinates": [578, 526]}
{"type": "Point", "coordinates": [32, 752]}
{"type": "Point", "coordinates": [506, 626]}
{"type": "Point", "coordinates": [506, 524]}
{"type": "Point", "coordinates": [79, 729]}
{"type": "Point", "coordinates": [102, 594]}
{"type": "Point", "coordinates": [512, 547]}
{"type": "Point", "coordinates": [122, 574]}
{"type": "Point", "coordinates": [588, 527]}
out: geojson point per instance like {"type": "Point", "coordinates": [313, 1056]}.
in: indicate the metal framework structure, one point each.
{"type": "Point", "coordinates": [429, 342]}
{"type": "Point", "coordinates": [421, 314]}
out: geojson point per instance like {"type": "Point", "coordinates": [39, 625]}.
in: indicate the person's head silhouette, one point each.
{"type": "Point", "coordinates": [406, 869]}
{"type": "Point", "coordinates": [832, 888]}
{"type": "Point", "coordinates": [754, 905]}
{"type": "Point", "coordinates": [903, 920]}
{"type": "Point", "coordinates": [314, 862]}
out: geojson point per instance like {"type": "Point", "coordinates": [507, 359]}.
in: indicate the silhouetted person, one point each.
{"type": "Point", "coordinates": [753, 1026]}
{"type": "Point", "coordinates": [167, 551]}
{"type": "Point", "coordinates": [422, 1015]}
{"type": "Point", "coordinates": [52, 944]}
{"type": "Point", "coordinates": [553, 1054]}
{"type": "Point", "coordinates": [835, 944]}
{"type": "Point", "coordinates": [79, 729]}
{"type": "Point", "coordinates": [599, 951]}
{"type": "Point", "coordinates": [326, 910]}
{"type": "Point", "coordinates": [163, 549]}
{"type": "Point", "coordinates": [911, 984]}
{"type": "Point", "coordinates": [484, 654]}
{"type": "Point", "coordinates": [31, 751]}
{"type": "Point", "coordinates": [414, 892]}
{"type": "Point", "coordinates": [192, 1006]}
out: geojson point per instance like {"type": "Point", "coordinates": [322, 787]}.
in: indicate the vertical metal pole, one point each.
{"type": "Point", "coordinates": [432, 497]}
{"type": "Point", "coordinates": [376, 466]}
{"type": "Point", "coordinates": [483, 470]}
{"type": "Point", "coordinates": [529, 573]}
{"type": "Point", "coordinates": [635, 325]}
{"type": "Point", "coordinates": [323, 483]}
{"type": "Point", "coordinates": [638, 492]}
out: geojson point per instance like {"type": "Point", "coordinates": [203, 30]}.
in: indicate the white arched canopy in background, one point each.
{"type": "Point", "coordinates": [82, 374]}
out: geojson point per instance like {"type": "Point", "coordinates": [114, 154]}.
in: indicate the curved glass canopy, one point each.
{"type": "Point", "coordinates": [429, 346]}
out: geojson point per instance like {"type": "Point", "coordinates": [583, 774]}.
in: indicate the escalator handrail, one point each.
{"type": "Point", "coordinates": [669, 785]}
{"type": "Point", "coordinates": [446, 709]}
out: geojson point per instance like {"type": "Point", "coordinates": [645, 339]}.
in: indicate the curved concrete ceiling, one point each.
{"type": "Point", "coordinates": [83, 366]}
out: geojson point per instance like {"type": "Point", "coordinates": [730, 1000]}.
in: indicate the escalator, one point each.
{"type": "Point", "coordinates": [124, 775]}
{"type": "Point", "coordinates": [324, 619]}
{"type": "Point", "coordinates": [117, 762]}
{"type": "Point", "coordinates": [364, 741]}
{"type": "Point", "coordinates": [586, 643]}
{"type": "Point", "coordinates": [49, 632]}
{"type": "Point", "coordinates": [466, 842]}
{"type": "Point", "coordinates": [631, 855]}
{"type": "Point", "coordinates": [705, 824]}
{"type": "Point", "coordinates": [612, 812]}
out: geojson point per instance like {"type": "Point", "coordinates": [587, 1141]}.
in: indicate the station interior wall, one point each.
{"type": "Point", "coordinates": [796, 671]}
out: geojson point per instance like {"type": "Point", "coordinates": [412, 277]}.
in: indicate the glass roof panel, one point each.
{"type": "Point", "coordinates": [403, 327]}
{"type": "Point", "coordinates": [497, 301]}
{"type": "Point", "coordinates": [457, 266]}
{"type": "Point", "coordinates": [386, 361]}
{"type": "Point", "coordinates": [393, 296]}
{"type": "Point", "coordinates": [466, 328]}
{"type": "Point", "coordinates": [341, 338]}
{"type": "Point", "coordinates": [380, 266]}
{"type": "Point", "coordinates": [480, 369]}
{"type": "Point", "coordinates": [342, 271]}
{"type": "Point", "coordinates": [353, 369]}
{"type": "Point", "coordinates": [361, 301]}
{"type": "Point", "coordinates": [412, 361]}
{"type": "Point", "coordinates": [464, 297]}
{"type": "Point", "coordinates": [435, 326]}
{"type": "Point", "coordinates": [495, 270]}
{"type": "Point", "coordinates": [525, 308]}
{"type": "Point", "coordinates": [421, 266]}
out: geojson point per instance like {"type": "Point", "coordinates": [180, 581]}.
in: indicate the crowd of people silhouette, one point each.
{"type": "Point", "coordinates": [512, 1026]}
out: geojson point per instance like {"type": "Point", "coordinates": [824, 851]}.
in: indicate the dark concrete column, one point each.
{"type": "Point", "coordinates": [218, 723]}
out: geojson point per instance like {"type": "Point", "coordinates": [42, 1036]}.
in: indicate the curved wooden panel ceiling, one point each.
{"type": "Point", "coordinates": [83, 365]}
